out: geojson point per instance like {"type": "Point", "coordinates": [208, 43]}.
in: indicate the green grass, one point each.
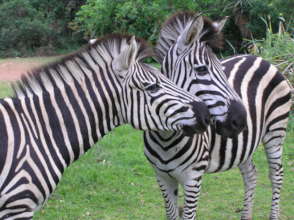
{"type": "Point", "coordinates": [113, 181]}
{"type": "Point", "coordinates": [41, 60]}
{"type": "Point", "coordinates": [5, 89]}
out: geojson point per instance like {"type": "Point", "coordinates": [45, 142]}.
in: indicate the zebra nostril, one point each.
{"type": "Point", "coordinates": [238, 124]}
{"type": "Point", "coordinates": [236, 116]}
{"type": "Point", "coordinates": [181, 110]}
{"type": "Point", "coordinates": [207, 120]}
{"type": "Point", "coordinates": [235, 124]}
{"type": "Point", "coordinates": [201, 112]}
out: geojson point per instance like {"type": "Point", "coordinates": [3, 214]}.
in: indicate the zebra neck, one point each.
{"type": "Point", "coordinates": [68, 123]}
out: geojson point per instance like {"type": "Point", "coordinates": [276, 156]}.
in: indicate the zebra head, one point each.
{"type": "Point", "coordinates": [184, 47]}
{"type": "Point", "coordinates": [149, 100]}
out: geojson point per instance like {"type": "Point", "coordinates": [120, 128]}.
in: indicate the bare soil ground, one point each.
{"type": "Point", "coordinates": [12, 69]}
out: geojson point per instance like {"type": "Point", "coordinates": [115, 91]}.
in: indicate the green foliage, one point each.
{"type": "Point", "coordinates": [32, 26]}
{"type": "Point", "coordinates": [42, 26]}
{"type": "Point", "coordinates": [277, 48]}
{"type": "Point", "coordinates": [26, 29]}
{"type": "Point", "coordinates": [140, 17]}
{"type": "Point", "coordinates": [144, 17]}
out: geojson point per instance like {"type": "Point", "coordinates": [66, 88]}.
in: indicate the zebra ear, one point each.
{"type": "Point", "coordinates": [126, 59]}
{"type": "Point", "coordinates": [219, 25]}
{"type": "Point", "coordinates": [191, 33]}
{"type": "Point", "coordinates": [92, 41]}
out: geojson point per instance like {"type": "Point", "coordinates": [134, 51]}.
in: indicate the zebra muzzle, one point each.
{"type": "Point", "coordinates": [202, 119]}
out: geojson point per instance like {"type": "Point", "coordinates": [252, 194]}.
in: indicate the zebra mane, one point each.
{"type": "Point", "coordinates": [48, 75]}
{"type": "Point", "coordinates": [175, 25]}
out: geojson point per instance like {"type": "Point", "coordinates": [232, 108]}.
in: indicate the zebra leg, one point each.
{"type": "Point", "coordinates": [169, 188]}
{"type": "Point", "coordinates": [192, 192]}
{"type": "Point", "coordinates": [273, 148]}
{"type": "Point", "coordinates": [248, 172]}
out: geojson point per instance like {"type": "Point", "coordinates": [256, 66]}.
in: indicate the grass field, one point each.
{"type": "Point", "coordinates": [113, 181]}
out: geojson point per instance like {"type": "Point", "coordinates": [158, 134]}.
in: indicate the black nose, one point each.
{"type": "Point", "coordinates": [203, 118]}
{"type": "Point", "coordinates": [202, 114]}
{"type": "Point", "coordinates": [236, 116]}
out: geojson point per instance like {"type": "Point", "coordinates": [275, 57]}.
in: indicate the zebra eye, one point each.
{"type": "Point", "coordinates": [152, 88]}
{"type": "Point", "coordinates": [201, 70]}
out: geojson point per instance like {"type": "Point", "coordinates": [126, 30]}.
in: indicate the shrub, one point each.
{"type": "Point", "coordinates": [24, 30]}
{"type": "Point", "coordinates": [34, 26]}
{"type": "Point", "coordinates": [144, 17]}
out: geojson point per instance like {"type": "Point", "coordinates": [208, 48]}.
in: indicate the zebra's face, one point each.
{"type": "Point", "coordinates": [193, 66]}
{"type": "Point", "coordinates": [152, 102]}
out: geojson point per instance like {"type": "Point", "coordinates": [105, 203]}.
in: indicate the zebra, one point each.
{"type": "Point", "coordinates": [60, 110]}
{"type": "Point", "coordinates": [178, 159]}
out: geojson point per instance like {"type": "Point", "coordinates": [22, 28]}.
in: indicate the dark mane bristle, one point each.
{"type": "Point", "coordinates": [212, 37]}
{"type": "Point", "coordinates": [184, 16]}
{"type": "Point", "coordinates": [174, 26]}
{"type": "Point", "coordinates": [145, 50]}
{"type": "Point", "coordinates": [24, 84]}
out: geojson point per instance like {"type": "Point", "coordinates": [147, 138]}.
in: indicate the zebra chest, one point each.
{"type": "Point", "coordinates": [167, 159]}
{"type": "Point", "coordinates": [226, 153]}
{"type": "Point", "coordinates": [178, 158]}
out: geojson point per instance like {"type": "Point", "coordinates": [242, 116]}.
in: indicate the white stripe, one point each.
{"type": "Point", "coordinates": [234, 71]}
{"type": "Point", "coordinates": [10, 145]}
{"type": "Point", "coordinates": [43, 141]}
{"type": "Point", "coordinates": [244, 93]}
{"type": "Point", "coordinates": [71, 109]}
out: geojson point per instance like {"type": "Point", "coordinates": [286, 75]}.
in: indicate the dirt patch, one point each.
{"type": "Point", "coordinates": [12, 69]}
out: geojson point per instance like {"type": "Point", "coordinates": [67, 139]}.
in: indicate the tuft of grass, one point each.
{"type": "Point", "coordinates": [5, 89]}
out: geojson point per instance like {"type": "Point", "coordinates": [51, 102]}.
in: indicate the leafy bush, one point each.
{"type": "Point", "coordinates": [34, 26]}
{"type": "Point", "coordinates": [99, 17]}
{"type": "Point", "coordinates": [30, 26]}
{"type": "Point", "coordinates": [144, 17]}
{"type": "Point", "coordinates": [26, 30]}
